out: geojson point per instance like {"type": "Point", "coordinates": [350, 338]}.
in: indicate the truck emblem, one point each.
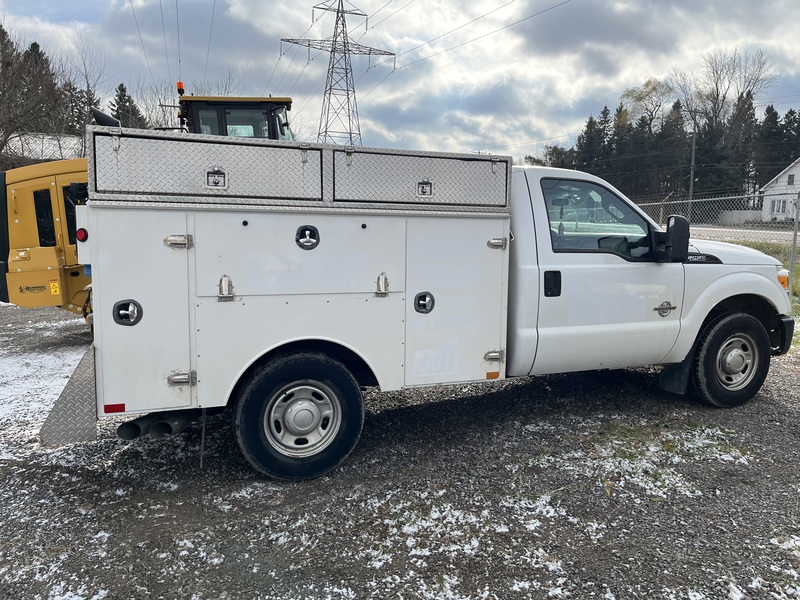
{"type": "Point", "coordinates": [664, 308]}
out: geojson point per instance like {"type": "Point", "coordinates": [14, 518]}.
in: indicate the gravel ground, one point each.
{"type": "Point", "coordinates": [591, 485]}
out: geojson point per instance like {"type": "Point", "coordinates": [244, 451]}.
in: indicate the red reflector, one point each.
{"type": "Point", "coordinates": [81, 235]}
{"type": "Point", "coordinates": [113, 408]}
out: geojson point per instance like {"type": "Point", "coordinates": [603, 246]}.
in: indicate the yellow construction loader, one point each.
{"type": "Point", "coordinates": [38, 259]}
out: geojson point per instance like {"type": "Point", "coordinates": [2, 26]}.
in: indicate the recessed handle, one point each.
{"type": "Point", "coordinates": [424, 303]}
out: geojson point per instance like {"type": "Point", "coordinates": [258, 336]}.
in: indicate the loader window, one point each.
{"type": "Point", "coordinates": [44, 218]}
{"type": "Point", "coordinates": [209, 121]}
{"type": "Point", "coordinates": [70, 202]}
{"type": "Point", "coordinates": [244, 122]}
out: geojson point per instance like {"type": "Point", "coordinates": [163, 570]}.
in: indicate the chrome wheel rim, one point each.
{"type": "Point", "coordinates": [736, 362]}
{"type": "Point", "coordinates": [302, 419]}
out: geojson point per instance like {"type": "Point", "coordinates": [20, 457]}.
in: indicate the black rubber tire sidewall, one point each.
{"type": "Point", "coordinates": [704, 383]}
{"type": "Point", "coordinates": [248, 415]}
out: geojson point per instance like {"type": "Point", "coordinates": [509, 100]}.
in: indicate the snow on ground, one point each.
{"type": "Point", "coordinates": [544, 506]}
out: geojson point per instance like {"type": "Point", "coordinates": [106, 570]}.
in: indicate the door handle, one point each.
{"type": "Point", "coordinates": [424, 302]}
{"type": "Point", "coordinates": [127, 312]}
{"type": "Point", "coordinates": [552, 284]}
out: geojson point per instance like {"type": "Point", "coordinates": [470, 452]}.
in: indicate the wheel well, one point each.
{"type": "Point", "coordinates": [753, 305]}
{"type": "Point", "coordinates": [359, 369]}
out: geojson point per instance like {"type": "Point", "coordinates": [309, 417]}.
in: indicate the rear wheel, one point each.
{"type": "Point", "coordinates": [732, 360]}
{"type": "Point", "coordinates": [298, 416]}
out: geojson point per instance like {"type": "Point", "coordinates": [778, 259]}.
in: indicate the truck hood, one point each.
{"type": "Point", "coordinates": [731, 254]}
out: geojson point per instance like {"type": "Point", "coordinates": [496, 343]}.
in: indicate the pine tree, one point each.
{"type": "Point", "coordinates": [589, 146]}
{"type": "Point", "coordinates": [739, 142]}
{"type": "Point", "coordinates": [619, 141]}
{"type": "Point", "coordinates": [674, 146]}
{"type": "Point", "coordinates": [768, 152]}
{"type": "Point", "coordinates": [791, 136]}
{"type": "Point", "coordinates": [124, 109]}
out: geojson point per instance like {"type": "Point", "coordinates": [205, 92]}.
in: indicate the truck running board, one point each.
{"type": "Point", "coordinates": [74, 415]}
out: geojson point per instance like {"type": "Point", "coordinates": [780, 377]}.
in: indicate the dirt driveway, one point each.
{"type": "Point", "coordinates": [594, 485]}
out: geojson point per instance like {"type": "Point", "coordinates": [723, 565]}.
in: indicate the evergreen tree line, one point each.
{"type": "Point", "coordinates": [42, 96]}
{"type": "Point", "coordinates": [645, 148]}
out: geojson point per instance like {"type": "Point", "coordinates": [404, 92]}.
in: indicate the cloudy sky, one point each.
{"type": "Point", "coordinates": [504, 76]}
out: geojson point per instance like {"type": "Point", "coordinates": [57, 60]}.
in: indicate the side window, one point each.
{"type": "Point", "coordinates": [585, 217]}
{"type": "Point", "coordinates": [44, 218]}
{"type": "Point", "coordinates": [209, 121]}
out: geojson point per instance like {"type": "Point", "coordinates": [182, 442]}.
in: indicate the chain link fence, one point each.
{"type": "Point", "coordinates": [767, 222]}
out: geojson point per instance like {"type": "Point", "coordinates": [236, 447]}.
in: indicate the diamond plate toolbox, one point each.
{"type": "Point", "coordinates": [160, 167]}
{"type": "Point", "coordinates": [372, 175]}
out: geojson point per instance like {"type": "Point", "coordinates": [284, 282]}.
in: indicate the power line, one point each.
{"type": "Point", "coordinates": [178, 25]}
{"type": "Point", "coordinates": [210, 29]}
{"type": "Point", "coordinates": [141, 41]}
{"type": "Point", "coordinates": [164, 31]}
{"type": "Point", "coordinates": [541, 12]}
{"type": "Point", "coordinates": [426, 43]}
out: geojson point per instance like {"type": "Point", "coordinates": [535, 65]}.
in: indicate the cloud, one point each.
{"type": "Point", "coordinates": [483, 75]}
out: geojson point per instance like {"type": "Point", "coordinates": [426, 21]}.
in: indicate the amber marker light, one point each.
{"type": "Point", "coordinates": [783, 279]}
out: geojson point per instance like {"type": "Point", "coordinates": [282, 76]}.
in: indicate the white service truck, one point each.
{"type": "Point", "coordinates": [279, 279]}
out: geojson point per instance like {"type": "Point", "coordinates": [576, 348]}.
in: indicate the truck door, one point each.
{"type": "Point", "coordinates": [142, 309]}
{"type": "Point", "coordinates": [604, 302]}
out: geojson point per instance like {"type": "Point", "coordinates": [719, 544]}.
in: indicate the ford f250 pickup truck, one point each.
{"type": "Point", "coordinates": [278, 279]}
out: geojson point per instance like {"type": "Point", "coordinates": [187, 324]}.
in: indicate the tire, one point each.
{"type": "Point", "coordinates": [299, 416]}
{"type": "Point", "coordinates": [732, 360]}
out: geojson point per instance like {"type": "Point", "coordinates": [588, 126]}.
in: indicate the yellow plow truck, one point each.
{"type": "Point", "coordinates": [38, 261]}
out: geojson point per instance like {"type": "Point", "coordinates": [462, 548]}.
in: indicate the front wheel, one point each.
{"type": "Point", "coordinates": [298, 416]}
{"type": "Point", "coordinates": [732, 360]}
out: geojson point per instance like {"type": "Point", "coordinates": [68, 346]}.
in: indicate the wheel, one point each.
{"type": "Point", "coordinates": [731, 361]}
{"type": "Point", "coordinates": [298, 416]}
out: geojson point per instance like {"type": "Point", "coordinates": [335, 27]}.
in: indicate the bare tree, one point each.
{"type": "Point", "coordinates": [649, 101]}
{"type": "Point", "coordinates": [159, 103]}
{"type": "Point", "coordinates": [229, 85]}
{"type": "Point", "coordinates": [726, 76]}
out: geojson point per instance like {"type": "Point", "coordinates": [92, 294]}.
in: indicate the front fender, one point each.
{"type": "Point", "coordinates": [756, 292]}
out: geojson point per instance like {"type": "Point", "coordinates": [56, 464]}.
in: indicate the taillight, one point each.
{"type": "Point", "coordinates": [81, 235]}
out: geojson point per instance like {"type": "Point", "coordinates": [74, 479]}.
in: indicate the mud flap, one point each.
{"type": "Point", "coordinates": [675, 378]}
{"type": "Point", "coordinates": [74, 415]}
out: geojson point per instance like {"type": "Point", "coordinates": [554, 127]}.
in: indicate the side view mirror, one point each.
{"type": "Point", "coordinates": [676, 244]}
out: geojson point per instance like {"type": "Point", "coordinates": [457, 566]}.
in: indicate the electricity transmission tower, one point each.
{"type": "Point", "coordinates": [338, 121]}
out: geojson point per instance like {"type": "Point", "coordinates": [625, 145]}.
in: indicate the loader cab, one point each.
{"type": "Point", "coordinates": [38, 256]}
{"type": "Point", "coordinates": [237, 117]}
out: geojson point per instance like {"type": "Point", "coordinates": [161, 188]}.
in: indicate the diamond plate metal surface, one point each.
{"type": "Point", "coordinates": [420, 179]}
{"type": "Point", "coordinates": [150, 166]}
{"type": "Point", "coordinates": [74, 415]}
{"type": "Point", "coordinates": [160, 168]}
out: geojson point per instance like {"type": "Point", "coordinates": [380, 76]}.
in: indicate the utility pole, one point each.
{"type": "Point", "coordinates": [691, 172]}
{"type": "Point", "coordinates": [338, 121]}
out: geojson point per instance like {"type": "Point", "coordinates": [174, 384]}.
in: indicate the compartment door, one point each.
{"type": "Point", "coordinates": [455, 300]}
{"type": "Point", "coordinates": [144, 366]}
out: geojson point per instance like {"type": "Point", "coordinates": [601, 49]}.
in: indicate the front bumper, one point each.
{"type": "Point", "coordinates": [782, 335]}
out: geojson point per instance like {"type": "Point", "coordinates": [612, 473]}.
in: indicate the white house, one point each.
{"type": "Point", "coordinates": [780, 194]}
